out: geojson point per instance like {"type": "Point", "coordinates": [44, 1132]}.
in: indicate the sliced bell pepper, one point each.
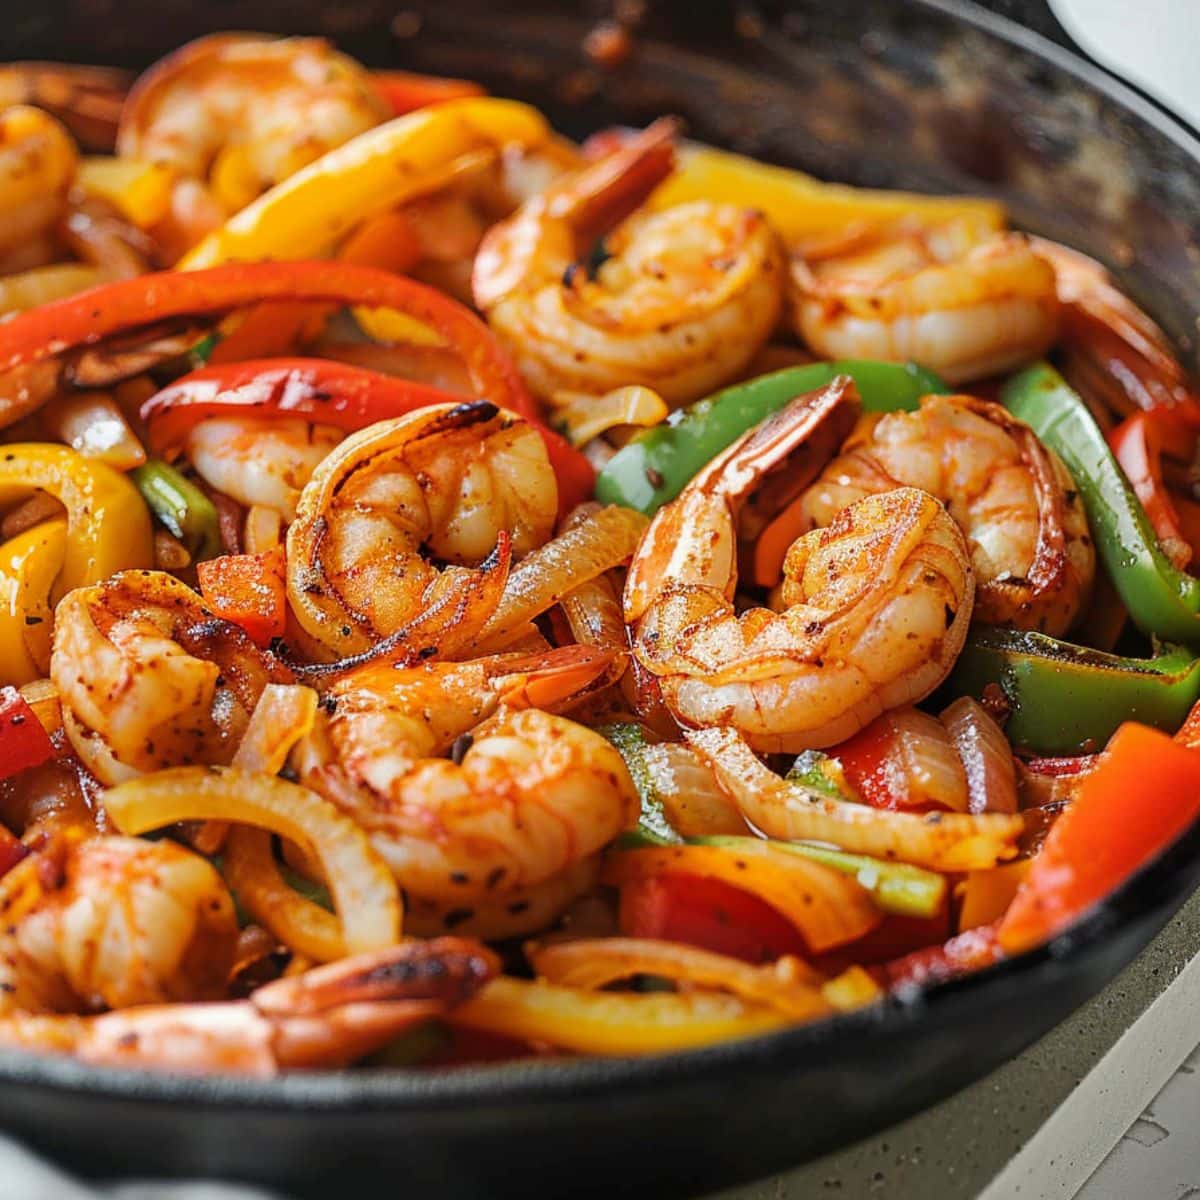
{"type": "Point", "coordinates": [969, 951]}
{"type": "Point", "coordinates": [985, 896]}
{"type": "Point", "coordinates": [1142, 795]}
{"type": "Point", "coordinates": [185, 511]}
{"type": "Point", "coordinates": [406, 91]}
{"type": "Point", "coordinates": [108, 527]}
{"type": "Point", "coordinates": [1136, 444]}
{"type": "Point", "coordinates": [800, 206]}
{"type": "Point", "coordinates": [1068, 700]}
{"type": "Point", "coordinates": [709, 913]}
{"type": "Point", "coordinates": [248, 589]}
{"type": "Point", "coordinates": [91, 316]}
{"type": "Point", "coordinates": [656, 464]}
{"type": "Point", "coordinates": [23, 741]}
{"type": "Point", "coordinates": [1161, 599]}
{"type": "Point", "coordinates": [312, 210]}
{"type": "Point", "coordinates": [29, 564]}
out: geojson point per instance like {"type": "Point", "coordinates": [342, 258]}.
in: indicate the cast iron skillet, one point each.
{"type": "Point", "coordinates": [931, 94]}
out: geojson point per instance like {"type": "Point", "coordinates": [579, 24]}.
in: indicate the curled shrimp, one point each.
{"type": "Point", "coordinates": [37, 165]}
{"type": "Point", "coordinates": [874, 609]}
{"type": "Point", "coordinates": [446, 479]}
{"type": "Point", "coordinates": [1112, 350]}
{"type": "Point", "coordinates": [259, 462]}
{"type": "Point", "coordinates": [1013, 498]}
{"type": "Point", "coordinates": [149, 678]}
{"type": "Point", "coordinates": [682, 302]}
{"type": "Point", "coordinates": [954, 297]}
{"type": "Point", "coordinates": [526, 796]}
{"type": "Point", "coordinates": [246, 112]}
{"type": "Point", "coordinates": [111, 921]}
{"type": "Point", "coordinates": [329, 1016]}
{"type": "Point", "coordinates": [86, 99]}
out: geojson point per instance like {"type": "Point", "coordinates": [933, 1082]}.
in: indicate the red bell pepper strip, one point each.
{"type": "Point", "coordinates": [708, 913]}
{"type": "Point", "coordinates": [248, 589]}
{"type": "Point", "coordinates": [866, 761]}
{"type": "Point", "coordinates": [404, 91]}
{"type": "Point", "coordinates": [1142, 795]}
{"type": "Point", "coordinates": [91, 316]}
{"type": "Point", "coordinates": [894, 937]}
{"type": "Point", "coordinates": [324, 391]}
{"type": "Point", "coordinates": [1138, 448]}
{"type": "Point", "coordinates": [969, 951]}
{"type": "Point", "coordinates": [23, 740]}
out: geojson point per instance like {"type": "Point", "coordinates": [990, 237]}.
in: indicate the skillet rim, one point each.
{"type": "Point", "coordinates": [1154, 893]}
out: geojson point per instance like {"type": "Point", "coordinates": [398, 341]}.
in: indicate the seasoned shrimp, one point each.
{"type": "Point", "coordinates": [246, 112]}
{"type": "Point", "coordinates": [954, 297]}
{"type": "Point", "coordinates": [1113, 351]}
{"type": "Point", "coordinates": [149, 678]}
{"type": "Point", "coordinates": [260, 462]}
{"type": "Point", "coordinates": [110, 921]}
{"type": "Point", "coordinates": [1013, 498]}
{"type": "Point", "coordinates": [874, 608]}
{"type": "Point", "coordinates": [526, 796]}
{"type": "Point", "coordinates": [329, 1016]}
{"type": "Point", "coordinates": [683, 301]}
{"type": "Point", "coordinates": [445, 479]}
{"type": "Point", "coordinates": [37, 164]}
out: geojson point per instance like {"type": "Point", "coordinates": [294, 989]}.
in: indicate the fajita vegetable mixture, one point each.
{"type": "Point", "coordinates": [466, 595]}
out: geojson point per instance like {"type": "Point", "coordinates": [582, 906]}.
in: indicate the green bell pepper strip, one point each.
{"type": "Point", "coordinates": [630, 743]}
{"type": "Point", "coordinates": [897, 888]}
{"type": "Point", "coordinates": [654, 467]}
{"type": "Point", "coordinates": [181, 506]}
{"type": "Point", "coordinates": [823, 774]}
{"type": "Point", "coordinates": [1161, 599]}
{"type": "Point", "coordinates": [1069, 700]}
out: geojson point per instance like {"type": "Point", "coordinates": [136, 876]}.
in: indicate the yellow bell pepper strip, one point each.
{"type": "Point", "coordinates": [800, 206]}
{"type": "Point", "coordinates": [140, 191]}
{"type": "Point", "coordinates": [1161, 599]}
{"type": "Point", "coordinates": [108, 527]}
{"type": "Point", "coordinates": [29, 564]}
{"type": "Point", "coordinates": [1069, 699]}
{"type": "Point", "coordinates": [613, 1023]}
{"type": "Point", "coordinates": [984, 896]}
{"type": "Point", "coordinates": [181, 506]}
{"type": "Point", "coordinates": [23, 741]}
{"type": "Point", "coordinates": [311, 211]}
{"type": "Point", "coordinates": [1143, 794]}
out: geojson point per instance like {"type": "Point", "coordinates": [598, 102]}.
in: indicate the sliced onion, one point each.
{"type": "Point", "coordinates": [583, 418]}
{"type": "Point", "coordinates": [791, 811]}
{"type": "Point", "coordinates": [364, 890]}
{"type": "Point", "coordinates": [986, 756]}
{"type": "Point", "coordinates": [615, 1023]}
{"type": "Point", "coordinates": [926, 760]}
{"type": "Point", "coordinates": [93, 424]}
{"type": "Point", "coordinates": [788, 985]}
{"type": "Point", "coordinates": [692, 801]}
{"type": "Point", "coordinates": [828, 908]}
{"type": "Point", "coordinates": [603, 540]}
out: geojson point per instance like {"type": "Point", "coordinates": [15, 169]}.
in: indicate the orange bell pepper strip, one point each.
{"type": "Point", "coordinates": [90, 317]}
{"type": "Point", "coordinates": [405, 91]}
{"type": "Point", "coordinates": [248, 589]}
{"type": "Point", "coordinates": [1142, 795]}
{"type": "Point", "coordinates": [1138, 448]}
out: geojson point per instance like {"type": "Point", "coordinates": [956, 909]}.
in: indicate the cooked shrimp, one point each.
{"type": "Point", "coordinates": [874, 608]}
{"type": "Point", "coordinates": [149, 678]}
{"type": "Point", "coordinates": [1012, 497]}
{"type": "Point", "coordinates": [327, 1017]}
{"type": "Point", "coordinates": [1113, 351]}
{"type": "Point", "coordinates": [954, 297]}
{"type": "Point", "coordinates": [525, 797]}
{"type": "Point", "coordinates": [37, 164]}
{"type": "Point", "coordinates": [246, 112]}
{"type": "Point", "coordinates": [260, 462]}
{"type": "Point", "coordinates": [682, 302]}
{"type": "Point", "coordinates": [86, 99]}
{"type": "Point", "coordinates": [111, 921]}
{"type": "Point", "coordinates": [447, 480]}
